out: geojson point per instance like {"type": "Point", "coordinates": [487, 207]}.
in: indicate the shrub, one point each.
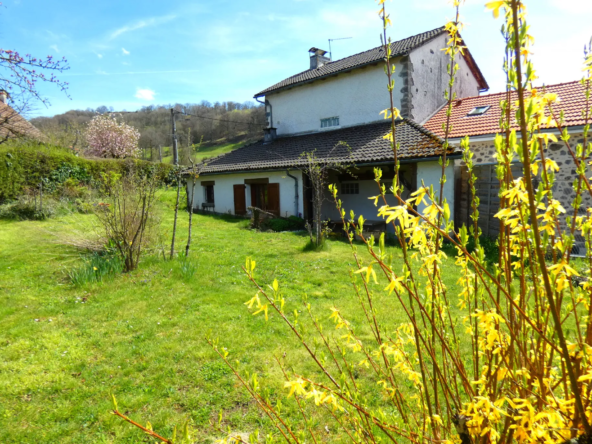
{"type": "Point", "coordinates": [23, 166]}
{"type": "Point", "coordinates": [96, 268]}
{"type": "Point", "coordinates": [127, 215]}
{"type": "Point", "coordinates": [26, 208]}
{"type": "Point", "coordinates": [292, 223]}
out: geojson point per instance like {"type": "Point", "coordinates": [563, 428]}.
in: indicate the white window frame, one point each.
{"type": "Point", "coordinates": [330, 122]}
{"type": "Point", "coordinates": [479, 110]}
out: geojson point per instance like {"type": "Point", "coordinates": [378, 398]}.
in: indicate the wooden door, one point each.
{"type": "Point", "coordinates": [240, 204]}
{"type": "Point", "coordinates": [273, 198]}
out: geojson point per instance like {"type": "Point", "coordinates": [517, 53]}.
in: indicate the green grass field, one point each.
{"type": "Point", "coordinates": [65, 349]}
{"type": "Point", "coordinates": [205, 152]}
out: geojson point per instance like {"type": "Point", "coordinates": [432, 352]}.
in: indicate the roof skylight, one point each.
{"type": "Point", "coordinates": [478, 111]}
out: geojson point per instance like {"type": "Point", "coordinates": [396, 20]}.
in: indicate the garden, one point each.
{"type": "Point", "coordinates": [238, 334]}
{"type": "Point", "coordinates": [141, 336]}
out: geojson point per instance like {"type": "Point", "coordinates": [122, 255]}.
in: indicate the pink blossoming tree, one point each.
{"type": "Point", "coordinates": [107, 137]}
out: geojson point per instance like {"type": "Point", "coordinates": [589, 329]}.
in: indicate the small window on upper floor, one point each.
{"type": "Point", "coordinates": [480, 110]}
{"type": "Point", "coordinates": [350, 188]}
{"type": "Point", "coordinates": [331, 121]}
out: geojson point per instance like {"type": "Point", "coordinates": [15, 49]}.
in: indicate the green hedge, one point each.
{"type": "Point", "coordinates": [29, 165]}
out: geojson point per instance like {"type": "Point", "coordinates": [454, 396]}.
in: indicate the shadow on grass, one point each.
{"type": "Point", "coordinates": [222, 217]}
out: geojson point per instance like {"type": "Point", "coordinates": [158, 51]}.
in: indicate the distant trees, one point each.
{"type": "Point", "coordinates": [107, 137]}
{"type": "Point", "coordinates": [198, 121]}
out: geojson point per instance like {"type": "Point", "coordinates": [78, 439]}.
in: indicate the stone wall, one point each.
{"type": "Point", "coordinates": [562, 189]}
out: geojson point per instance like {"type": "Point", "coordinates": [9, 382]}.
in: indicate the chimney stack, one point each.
{"type": "Point", "coordinates": [318, 58]}
{"type": "Point", "coordinates": [3, 97]}
{"type": "Point", "coordinates": [269, 135]}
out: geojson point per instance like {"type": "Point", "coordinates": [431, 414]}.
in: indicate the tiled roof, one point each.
{"type": "Point", "coordinates": [13, 125]}
{"type": "Point", "coordinates": [398, 49]}
{"type": "Point", "coordinates": [572, 101]}
{"type": "Point", "coordinates": [362, 144]}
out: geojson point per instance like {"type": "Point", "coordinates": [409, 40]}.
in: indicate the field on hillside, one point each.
{"type": "Point", "coordinates": [204, 152]}
{"type": "Point", "coordinates": [141, 336]}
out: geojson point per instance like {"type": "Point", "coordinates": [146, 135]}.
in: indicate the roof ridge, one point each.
{"type": "Point", "coordinates": [505, 92]}
{"type": "Point", "coordinates": [422, 129]}
{"type": "Point", "coordinates": [278, 85]}
{"type": "Point", "coordinates": [440, 28]}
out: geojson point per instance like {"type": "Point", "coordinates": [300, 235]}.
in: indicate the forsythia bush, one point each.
{"type": "Point", "coordinates": [513, 363]}
{"type": "Point", "coordinates": [518, 368]}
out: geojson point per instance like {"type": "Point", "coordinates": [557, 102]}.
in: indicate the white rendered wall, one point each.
{"type": "Point", "coordinates": [357, 97]}
{"type": "Point", "coordinates": [430, 173]}
{"type": "Point", "coordinates": [224, 190]}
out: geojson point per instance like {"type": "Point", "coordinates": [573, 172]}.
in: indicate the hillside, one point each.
{"type": "Point", "coordinates": [203, 130]}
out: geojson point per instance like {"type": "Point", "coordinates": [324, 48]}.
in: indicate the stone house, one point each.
{"type": "Point", "coordinates": [478, 117]}
{"type": "Point", "coordinates": [333, 108]}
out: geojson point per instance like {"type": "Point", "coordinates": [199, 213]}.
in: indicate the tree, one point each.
{"type": "Point", "coordinates": [109, 138]}
{"type": "Point", "coordinates": [19, 76]}
{"type": "Point", "coordinates": [317, 168]}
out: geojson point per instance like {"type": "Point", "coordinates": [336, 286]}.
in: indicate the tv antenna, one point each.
{"type": "Point", "coordinates": [332, 40]}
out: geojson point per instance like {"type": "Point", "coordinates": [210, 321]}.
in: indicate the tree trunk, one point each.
{"type": "Point", "coordinates": [176, 214]}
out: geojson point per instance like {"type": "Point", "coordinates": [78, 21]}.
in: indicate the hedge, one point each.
{"type": "Point", "coordinates": [29, 165]}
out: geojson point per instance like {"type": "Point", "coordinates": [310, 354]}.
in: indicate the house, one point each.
{"type": "Point", "coordinates": [333, 108]}
{"type": "Point", "coordinates": [13, 125]}
{"type": "Point", "coordinates": [478, 117]}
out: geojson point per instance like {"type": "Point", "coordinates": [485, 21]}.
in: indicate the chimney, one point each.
{"type": "Point", "coordinates": [269, 135]}
{"type": "Point", "coordinates": [3, 96]}
{"type": "Point", "coordinates": [318, 58]}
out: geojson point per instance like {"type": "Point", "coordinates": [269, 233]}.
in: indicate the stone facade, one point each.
{"type": "Point", "coordinates": [488, 190]}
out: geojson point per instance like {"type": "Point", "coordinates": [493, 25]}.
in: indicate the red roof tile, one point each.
{"type": "Point", "coordinates": [13, 125]}
{"type": "Point", "coordinates": [571, 96]}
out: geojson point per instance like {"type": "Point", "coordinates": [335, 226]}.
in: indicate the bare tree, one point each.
{"type": "Point", "coordinates": [127, 215]}
{"type": "Point", "coordinates": [317, 169]}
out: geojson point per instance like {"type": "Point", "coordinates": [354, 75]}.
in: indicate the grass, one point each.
{"type": "Point", "coordinates": [66, 348]}
{"type": "Point", "coordinates": [205, 152]}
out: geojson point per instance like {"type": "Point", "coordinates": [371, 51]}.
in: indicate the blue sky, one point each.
{"type": "Point", "coordinates": [128, 54]}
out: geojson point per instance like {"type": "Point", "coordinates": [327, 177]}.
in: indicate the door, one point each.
{"type": "Point", "coordinates": [240, 204]}
{"type": "Point", "coordinates": [273, 198]}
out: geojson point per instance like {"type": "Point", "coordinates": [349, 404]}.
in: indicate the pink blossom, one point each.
{"type": "Point", "coordinates": [109, 138]}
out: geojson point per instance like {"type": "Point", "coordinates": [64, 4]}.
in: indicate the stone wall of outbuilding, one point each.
{"type": "Point", "coordinates": [488, 187]}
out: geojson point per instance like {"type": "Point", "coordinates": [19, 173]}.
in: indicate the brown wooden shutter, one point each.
{"type": "Point", "coordinates": [240, 204]}
{"type": "Point", "coordinates": [273, 198]}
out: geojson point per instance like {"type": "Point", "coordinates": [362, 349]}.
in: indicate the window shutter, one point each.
{"type": "Point", "coordinates": [240, 204]}
{"type": "Point", "coordinates": [273, 198]}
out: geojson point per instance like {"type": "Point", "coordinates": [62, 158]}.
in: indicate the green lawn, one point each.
{"type": "Point", "coordinates": [205, 152]}
{"type": "Point", "coordinates": [65, 349]}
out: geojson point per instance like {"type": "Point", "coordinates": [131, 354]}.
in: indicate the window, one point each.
{"type": "Point", "coordinates": [209, 194]}
{"type": "Point", "coordinates": [331, 121]}
{"type": "Point", "coordinates": [478, 111]}
{"type": "Point", "coordinates": [350, 188]}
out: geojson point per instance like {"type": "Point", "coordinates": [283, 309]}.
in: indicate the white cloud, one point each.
{"type": "Point", "coordinates": [100, 56]}
{"type": "Point", "coordinates": [125, 51]}
{"type": "Point", "coordinates": [141, 24]}
{"type": "Point", "coordinates": [55, 48]}
{"type": "Point", "coordinates": [145, 94]}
